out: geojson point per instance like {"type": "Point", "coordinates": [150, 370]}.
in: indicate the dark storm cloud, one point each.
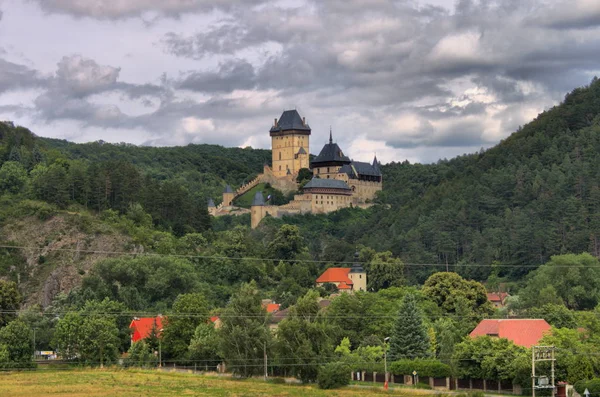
{"type": "Point", "coordinates": [231, 75]}
{"type": "Point", "coordinates": [116, 9]}
{"type": "Point", "coordinates": [14, 76]}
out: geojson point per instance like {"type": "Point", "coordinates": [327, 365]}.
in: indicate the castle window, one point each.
{"type": "Point", "coordinates": [360, 276]}
{"type": "Point", "coordinates": [279, 168]}
{"type": "Point", "coordinates": [279, 155]}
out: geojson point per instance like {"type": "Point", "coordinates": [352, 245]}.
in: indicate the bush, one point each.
{"type": "Point", "coordinates": [424, 367]}
{"type": "Point", "coordinates": [592, 385]}
{"type": "Point", "coordinates": [333, 376]}
{"type": "Point", "coordinates": [277, 381]}
{"type": "Point", "coordinates": [423, 386]}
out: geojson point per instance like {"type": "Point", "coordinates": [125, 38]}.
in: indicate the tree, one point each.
{"type": "Point", "coordinates": [450, 291]}
{"type": "Point", "coordinates": [67, 335]}
{"type": "Point", "coordinates": [287, 243]}
{"type": "Point", "coordinates": [13, 177]}
{"type": "Point", "coordinates": [244, 333]}
{"type": "Point", "coordinates": [16, 343]}
{"type": "Point", "coordinates": [189, 310]}
{"type": "Point", "coordinates": [141, 355]}
{"type": "Point", "coordinates": [556, 315]}
{"type": "Point", "coordinates": [10, 300]}
{"type": "Point", "coordinates": [385, 271]}
{"type": "Point", "coordinates": [204, 345]}
{"type": "Point", "coordinates": [573, 280]}
{"type": "Point", "coordinates": [99, 340]}
{"type": "Point", "coordinates": [409, 338]}
{"type": "Point", "coordinates": [304, 338]}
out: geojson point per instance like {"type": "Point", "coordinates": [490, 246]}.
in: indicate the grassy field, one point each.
{"type": "Point", "coordinates": [125, 383]}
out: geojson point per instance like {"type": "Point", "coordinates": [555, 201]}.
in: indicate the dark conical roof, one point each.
{"type": "Point", "coordinates": [290, 120]}
{"type": "Point", "coordinates": [211, 203]}
{"type": "Point", "coordinates": [228, 189]}
{"type": "Point", "coordinates": [301, 151]}
{"type": "Point", "coordinates": [331, 153]}
{"type": "Point", "coordinates": [258, 199]}
{"type": "Point", "coordinates": [356, 266]}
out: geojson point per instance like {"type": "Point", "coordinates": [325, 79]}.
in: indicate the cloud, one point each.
{"type": "Point", "coordinates": [232, 75]}
{"type": "Point", "coordinates": [116, 9]}
{"type": "Point", "coordinates": [572, 14]}
{"type": "Point", "coordinates": [14, 76]}
{"type": "Point", "coordinates": [81, 76]}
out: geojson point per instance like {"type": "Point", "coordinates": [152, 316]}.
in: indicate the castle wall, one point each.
{"type": "Point", "coordinates": [285, 153]}
{"type": "Point", "coordinates": [227, 199]}
{"type": "Point", "coordinates": [361, 190]}
{"type": "Point", "coordinates": [326, 172]}
{"type": "Point", "coordinates": [327, 202]}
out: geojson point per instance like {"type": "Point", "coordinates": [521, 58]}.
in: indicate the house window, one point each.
{"type": "Point", "coordinates": [360, 276]}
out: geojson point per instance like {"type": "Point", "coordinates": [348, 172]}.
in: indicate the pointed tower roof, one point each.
{"type": "Point", "coordinates": [211, 203]}
{"type": "Point", "coordinates": [330, 154]}
{"type": "Point", "coordinates": [290, 120]}
{"type": "Point", "coordinates": [376, 164]}
{"type": "Point", "coordinates": [228, 189]}
{"type": "Point", "coordinates": [301, 151]}
{"type": "Point", "coordinates": [259, 200]}
{"type": "Point", "coordinates": [356, 266]}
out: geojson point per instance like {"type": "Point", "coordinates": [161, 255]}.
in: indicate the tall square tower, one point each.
{"type": "Point", "coordinates": [290, 144]}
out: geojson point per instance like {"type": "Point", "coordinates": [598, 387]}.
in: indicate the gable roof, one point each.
{"type": "Point", "coordinates": [497, 296]}
{"type": "Point", "coordinates": [331, 153]}
{"type": "Point", "coordinates": [522, 332]}
{"type": "Point", "coordinates": [326, 183]}
{"type": "Point", "coordinates": [272, 307]}
{"type": "Point", "coordinates": [290, 120]}
{"type": "Point", "coordinates": [336, 275]}
{"type": "Point", "coordinates": [142, 327]}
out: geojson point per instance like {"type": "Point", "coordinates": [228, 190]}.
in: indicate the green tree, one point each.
{"type": "Point", "coordinates": [385, 271]}
{"type": "Point", "coordinates": [287, 243]}
{"type": "Point", "coordinates": [141, 355]}
{"type": "Point", "coordinates": [304, 338]}
{"type": "Point", "coordinates": [244, 333]}
{"type": "Point", "coordinates": [10, 300]}
{"type": "Point", "coordinates": [450, 291]}
{"type": "Point", "coordinates": [67, 335]}
{"type": "Point", "coordinates": [189, 310]}
{"type": "Point", "coordinates": [99, 340]}
{"type": "Point", "coordinates": [558, 316]}
{"type": "Point", "coordinates": [13, 177]}
{"type": "Point", "coordinates": [16, 341]}
{"type": "Point", "coordinates": [409, 338]}
{"type": "Point", "coordinates": [204, 345]}
{"type": "Point", "coordinates": [573, 279]}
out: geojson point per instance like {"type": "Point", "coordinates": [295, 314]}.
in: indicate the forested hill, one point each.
{"type": "Point", "coordinates": [534, 195]}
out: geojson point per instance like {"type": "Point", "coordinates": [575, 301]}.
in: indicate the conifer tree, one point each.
{"type": "Point", "coordinates": [409, 337]}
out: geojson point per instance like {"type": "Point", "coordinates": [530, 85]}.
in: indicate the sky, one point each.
{"type": "Point", "coordinates": [416, 80]}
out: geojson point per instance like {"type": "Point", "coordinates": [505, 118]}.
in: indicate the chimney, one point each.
{"type": "Point", "coordinates": [275, 124]}
{"type": "Point", "coordinates": [304, 121]}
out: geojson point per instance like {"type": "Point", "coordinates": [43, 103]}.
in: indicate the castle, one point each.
{"type": "Point", "coordinates": [337, 180]}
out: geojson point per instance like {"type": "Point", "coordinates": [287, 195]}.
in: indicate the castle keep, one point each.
{"type": "Point", "coordinates": [337, 180]}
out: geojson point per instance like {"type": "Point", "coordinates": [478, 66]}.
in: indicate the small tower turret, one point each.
{"type": "Point", "coordinates": [212, 208]}
{"type": "Point", "coordinates": [257, 212]}
{"type": "Point", "coordinates": [358, 275]}
{"type": "Point", "coordinates": [227, 196]}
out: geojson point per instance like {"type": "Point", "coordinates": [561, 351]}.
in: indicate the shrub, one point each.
{"type": "Point", "coordinates": [423, 386]}
{"type": "Point", "coordinates": [277, 381]}
{"type": "Point", "coordinates": [424, 367]}
{"type": "Point", "coordinates": [333, 376]}
{"type": "Point", "coordinates": [592, 385]}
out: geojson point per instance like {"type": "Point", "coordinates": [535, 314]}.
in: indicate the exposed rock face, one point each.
{"type": "Point", "coordinates": [59, 253]}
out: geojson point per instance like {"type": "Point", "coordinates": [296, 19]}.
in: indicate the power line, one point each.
{"type": "Point", "coordinates": [246, 258]}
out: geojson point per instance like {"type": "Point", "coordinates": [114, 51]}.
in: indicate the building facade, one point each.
{"type": "Point", "coordinates": [338, 182]}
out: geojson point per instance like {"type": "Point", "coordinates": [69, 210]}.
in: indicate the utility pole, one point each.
{"type": "Point", "coordinates": [265, 357]}
{"type": "Point", "coordinates": [385, 341]}
{"type": "Point", "coordinates": [34, 343]}
{"type": "Point", "coordinates": [538, 354]}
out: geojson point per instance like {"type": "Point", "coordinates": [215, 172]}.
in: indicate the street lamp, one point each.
{"type": "Point", "coordinates": [385, 341]}
{"type": "Point", "coordinates": [160, 349]}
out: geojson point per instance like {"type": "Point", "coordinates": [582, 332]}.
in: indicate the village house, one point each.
{"type": "Point", "coordinates": [497, 299]}
{"type": "Point", "coordinates": [345, 279]}
{"type": "Point", "coordinates": [141, 328]}
{"type": "Point", "coordinates": [522, 332]}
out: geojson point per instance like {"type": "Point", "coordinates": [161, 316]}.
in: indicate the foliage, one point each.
{"type": "Point", "coordinates": [141, 355]}
{"type": "Point", "coordinates": [98, 340]}
{"type": "Point", "coordinates": [384, 271]}
{"type": "Point", "coordinates": [189, 311]}
{"type": "Point", "coordinates": [244, 333]}
{"type": "Point", "coordinates": [204, 345]}
{"type": "Point", "coordinates": [365, 358]}
{"type": "Point", "coordinates": [593, 386]}
{"type": "Point", "coordinates": [66, 338]}
{"type": "Point", "coordinates": [13, 177]}
{"type": "Point", "coordinates": [333, 376]}
{"type": "Point", "coordinates": [409, 337]}
{"type": "Point", "coordinates": [424, 367]}
{"type": "Point", "coordinates": [16, 346]}
{"type": "Point", "coordinates": [490, 358]}
{"type": "Point", "coordinates": [10, 300]}
{"type": "Point", "coordinates": [572, 280]}
{"type": "Point", "coordinates": [304, 338]}
{"type": "Point", "coordinates": [449, 291]}
{"type": "Point", "coordinates": [558, 316]}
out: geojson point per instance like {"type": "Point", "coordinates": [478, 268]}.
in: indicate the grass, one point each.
{"type": "Point", "coordinates": [245, 200]}
{"type": "Point", "coordinates": [125, 383]}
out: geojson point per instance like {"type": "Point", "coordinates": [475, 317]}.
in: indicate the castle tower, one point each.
{"type": "Point", "coordinates": [329, 161]}
{"type": "Point", "coordinates": [257, 210]}
{"type": "Point", "coordinates": [212, 209]}
{"type": "Point", "coordinates": [227, 196]}
{"type": "Point", "coordinates": [290, 144]}
{"type": "Point", "coordinates": [358, 275]}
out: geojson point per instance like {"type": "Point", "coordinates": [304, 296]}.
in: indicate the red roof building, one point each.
{"type": "Point", "coordinates": [498, 299]}
{"type": "Point", "coordinates": [522, 332]}
{"type": "Point", "coordinates": [272, 307]}
{"type": "Point", "coordinates": [141, 327]}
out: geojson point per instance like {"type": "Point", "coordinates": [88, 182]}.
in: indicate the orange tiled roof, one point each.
{"type": "Point", "coordinates": [141, 327]}
{"type": "Point", "coordinates": [523, 332]}
{"type": "Point", "coordinates": [335, 275]}
{"type": "Point", "coordinates": [497, 296]}
{"type": "Point", "coordinates": [272, 307]}
{"type": "Point", "coordinates": [343, 285]}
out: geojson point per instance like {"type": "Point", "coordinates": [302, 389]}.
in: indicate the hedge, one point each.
{"type": "Point", "coordinates": [424, 367]}
{"type": "Point", "coordinates": [593, 387]}
{"type": "Point", "coordinates": [333, 376]}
